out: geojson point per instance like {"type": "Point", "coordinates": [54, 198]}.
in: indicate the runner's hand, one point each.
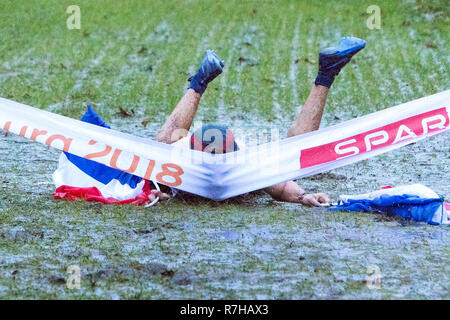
{"type": "Point", "coordinates": [314, 199]}
{"type": "Point", "coordinates": [155, 193]}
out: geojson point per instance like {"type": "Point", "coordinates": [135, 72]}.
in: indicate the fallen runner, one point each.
{"type": "Point", "coordinates": [108, 185]}
{"type": "Point", "coordinates": [331, 61]}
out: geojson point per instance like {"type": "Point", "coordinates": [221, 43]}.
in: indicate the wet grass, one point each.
{"type": "Point", "coordinates": [137, 55]}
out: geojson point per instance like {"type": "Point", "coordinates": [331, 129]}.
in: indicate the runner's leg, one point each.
{"type": "Point", "coordinates": [180, 120]}
{"type": "Point", "coordinates": [331, 61]}
{"type": "Point", "coordinates": [311, 113]}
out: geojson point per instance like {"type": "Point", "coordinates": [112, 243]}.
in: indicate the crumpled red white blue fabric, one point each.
{"type": "Point", "coordinates": [80, 178]}
{"type": "Point", "coordinates": [416, 202]}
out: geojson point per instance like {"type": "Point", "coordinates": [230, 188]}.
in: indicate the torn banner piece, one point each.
{"type": "Point", "coordinates": [415, 202]}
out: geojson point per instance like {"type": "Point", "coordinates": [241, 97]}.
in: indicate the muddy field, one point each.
{"type": "Point", "coordinates": [138, 58]}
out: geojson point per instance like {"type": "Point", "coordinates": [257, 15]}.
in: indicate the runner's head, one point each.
{"type": "Point", "coordinates": [213, 138]}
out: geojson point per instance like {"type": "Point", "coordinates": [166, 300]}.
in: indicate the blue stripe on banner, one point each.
{"type": "Point", "coordinates": [98, 171]}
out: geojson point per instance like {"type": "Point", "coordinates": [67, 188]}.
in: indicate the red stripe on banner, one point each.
{"type": "Point", "coordinates": [406, 129]}
{"type": "Point", "coordinates": [93, 194]}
